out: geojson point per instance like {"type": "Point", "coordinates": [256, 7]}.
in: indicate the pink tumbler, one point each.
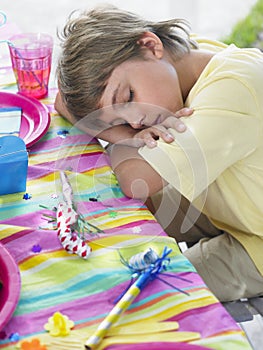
{"type": "Point", "coordinates": [31, 56]}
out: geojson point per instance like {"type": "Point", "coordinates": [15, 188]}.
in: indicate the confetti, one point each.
{"type": "Point", "coordinates": [93, 199]}
{"type": "Point", "coordinates": [27, 196]}
{"type": "Point", "coordinates": [14, 337]}
{"type": "Point", "coordinates": [113, 214]}
{"type": "Point", "coordinates": [59, 325]}
{"type": "Point", "coordinates": [36, 248]}
{"type": "Point", "coordinates": [136, 229]}
{"type": "Point", "coordinates": [34, 344]}
{"type": "Point", "coordinates": [63, 133]}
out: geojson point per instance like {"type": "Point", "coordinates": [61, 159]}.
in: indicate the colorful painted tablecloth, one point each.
{"type": "Point", "coordinates": [84, 290]}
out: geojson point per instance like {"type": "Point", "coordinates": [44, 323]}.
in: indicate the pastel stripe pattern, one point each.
{"type": "Point", "coordinates": [85, 290]}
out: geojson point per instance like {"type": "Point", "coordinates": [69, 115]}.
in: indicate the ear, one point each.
{"type": "Point", "coordinates": [153, 43]}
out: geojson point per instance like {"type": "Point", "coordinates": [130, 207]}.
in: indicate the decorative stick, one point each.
{"type": "Point", "coordinates": [118, 309]}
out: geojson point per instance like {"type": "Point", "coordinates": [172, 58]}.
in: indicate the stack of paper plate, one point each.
{"type": "Point", "coordinates": [10, 286]}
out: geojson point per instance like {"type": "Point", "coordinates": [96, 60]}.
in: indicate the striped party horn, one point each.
{"type": "Point", "coordinates": [118, 309]}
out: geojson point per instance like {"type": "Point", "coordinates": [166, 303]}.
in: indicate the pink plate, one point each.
{"type": "Point", "coordinates": [11, 284]}
{"type": "Point", "coordinates": [35, 116]}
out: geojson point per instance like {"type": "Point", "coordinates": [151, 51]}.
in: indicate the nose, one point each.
{"type": "Point", "coordinates": [136, 125]}
{"type": "Point", "coordinates": [139, 123]}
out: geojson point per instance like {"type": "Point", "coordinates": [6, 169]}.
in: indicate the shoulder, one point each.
{"type": "Point", "coordinates": [208, 44]}
{"type": "Point", "coordinates": [231, 81]}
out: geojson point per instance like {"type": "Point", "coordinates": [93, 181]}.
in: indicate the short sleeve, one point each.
{"type": "Point", "coordinates": [222, 131]}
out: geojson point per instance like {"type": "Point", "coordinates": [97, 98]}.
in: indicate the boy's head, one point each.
{"type": "Point", "coordinates": [96, 42]}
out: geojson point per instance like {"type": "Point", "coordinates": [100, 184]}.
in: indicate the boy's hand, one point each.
{"type": "Point", "coordinates": [149, 136]}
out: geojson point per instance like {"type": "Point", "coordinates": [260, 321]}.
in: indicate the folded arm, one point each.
{"type": "Point", "coordinates": [136, 177]}
{"type": "Point", "coordinates": [124, 133]}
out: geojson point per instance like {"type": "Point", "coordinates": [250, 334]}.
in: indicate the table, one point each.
{"type": "Point", "coordinates": [52, 280]}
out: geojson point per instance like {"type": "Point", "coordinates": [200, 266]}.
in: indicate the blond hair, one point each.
{"type": "Point", "coordinates": [97, 41]}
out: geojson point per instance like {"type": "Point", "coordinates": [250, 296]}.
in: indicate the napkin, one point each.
{"type": "Point", "coordinates": [10, 120]}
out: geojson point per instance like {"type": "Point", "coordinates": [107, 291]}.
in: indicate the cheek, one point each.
{"type": "Point", "coordinates": [167, 88]}
{"type": "Point", "coordinates": [172, 94]}
{"type": "Point", "coordinates": [107, 115]}
{"type": "Point", "coordinates": [162, 89]}
{"type": "Point", "coordinates": [168, 97]}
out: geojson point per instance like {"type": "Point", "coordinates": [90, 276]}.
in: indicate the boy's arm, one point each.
{"type": "Point", "coordinates": [136, 177]}
{"type": "Point", "coordinates": [125, 134]}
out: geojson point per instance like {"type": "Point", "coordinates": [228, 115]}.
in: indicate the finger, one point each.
{"type": "Point", "coordinates": [174, 123]}
{"type": "Point", "coordinates": [180, 126]}
{"type": "Point", "coordinates": [160, 130]}
{"type": "Point", "coordinates": [167, 137]}
{"type": "Point", "coordinates": [184, 112]}
{"type": "Point", "coordinates": [134, 142]}
{"type": "Point", "coordinates": [150, 140]}
{"type": "Point", "coordinates": [150, 143]}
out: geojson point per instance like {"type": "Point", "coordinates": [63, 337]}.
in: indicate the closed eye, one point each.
{"type": "Point", "coordinates": [118, 121]}
{"type": "Point", "coordinates": [131, 96]}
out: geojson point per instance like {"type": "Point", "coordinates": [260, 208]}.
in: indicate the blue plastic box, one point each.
{"type": "Point", "coordinates": [13, 165]}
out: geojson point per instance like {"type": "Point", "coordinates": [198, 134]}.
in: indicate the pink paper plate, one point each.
{"type": "Point", "coordinates": [11, 285]}
{"type": "Point", "coordinates": [35, 116]}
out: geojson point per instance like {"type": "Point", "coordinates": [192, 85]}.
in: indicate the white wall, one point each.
{"type": "Point", "coordinates": [210, 17]}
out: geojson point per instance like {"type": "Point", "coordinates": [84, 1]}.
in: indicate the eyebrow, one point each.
{"type": "Point", "coordinates": [114, 96]}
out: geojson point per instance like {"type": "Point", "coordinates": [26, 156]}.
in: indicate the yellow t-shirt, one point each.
{"type": "Point", "coordinates": [218, 162]}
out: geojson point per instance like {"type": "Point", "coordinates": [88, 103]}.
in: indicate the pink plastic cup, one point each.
{"type": "Point", "coordinates": [31, 56]}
